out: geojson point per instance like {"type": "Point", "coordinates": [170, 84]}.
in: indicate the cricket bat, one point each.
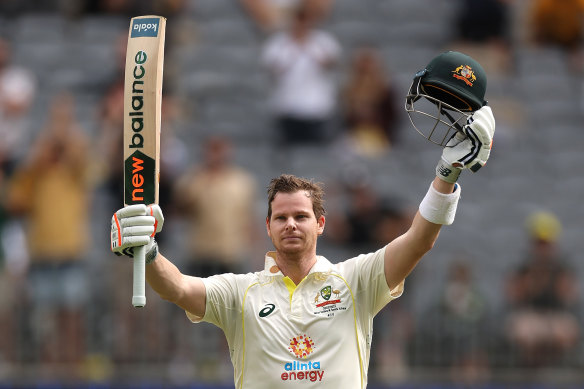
{"type": "Point", "coordinates": [142, 111]}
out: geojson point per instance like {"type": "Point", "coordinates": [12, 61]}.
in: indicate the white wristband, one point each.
{"type": "Point", "coordinates": [440, 208]}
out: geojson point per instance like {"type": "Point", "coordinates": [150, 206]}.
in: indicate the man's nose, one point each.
{"type": "Point", "coordinates": [290, 224]}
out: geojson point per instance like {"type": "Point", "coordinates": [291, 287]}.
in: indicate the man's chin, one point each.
{"type": "Point", "coordinates": [292, 249]}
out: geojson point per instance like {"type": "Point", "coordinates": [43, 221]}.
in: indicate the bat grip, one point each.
{"type": "Point", "coordinates": [139, 282]}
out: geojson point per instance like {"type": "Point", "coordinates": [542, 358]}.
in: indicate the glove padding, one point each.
{"type": "Point", "coordinates": [469, 149]}
{"type": "Point", "coordinates": [136, 225]}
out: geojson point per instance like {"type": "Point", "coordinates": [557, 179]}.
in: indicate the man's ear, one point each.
{"type": "Point", "coordinates": [321, 222]}
{"type": "Point", "coordinates": [268, 227]}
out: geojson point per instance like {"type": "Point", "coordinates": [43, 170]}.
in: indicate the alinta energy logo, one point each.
{"type": "Point", "coordinates": [302, 346]}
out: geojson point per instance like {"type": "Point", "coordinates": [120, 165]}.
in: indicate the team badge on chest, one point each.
{"type": "Point", "coordinates": [327, 301]}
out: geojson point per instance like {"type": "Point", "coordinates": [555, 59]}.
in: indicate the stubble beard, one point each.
{"type": "Point", "coordinates": [295, 252]}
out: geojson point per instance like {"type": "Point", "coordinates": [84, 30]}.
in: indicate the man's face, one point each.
{"type": "Point", "coordinates": [293, 226]}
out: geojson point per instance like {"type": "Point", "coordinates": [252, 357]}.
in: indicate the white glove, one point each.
{"type": "Point", "coordinates": [470, 149]}
{"type": "Point", "coordinates": [136, 225]}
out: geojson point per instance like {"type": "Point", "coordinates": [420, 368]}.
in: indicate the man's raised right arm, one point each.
{"type": "Point", "coordinates": [187, 292]}
{"type": "Point", "coordinates": [136, 225]}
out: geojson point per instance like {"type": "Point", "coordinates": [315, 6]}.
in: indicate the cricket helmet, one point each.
{"type": "Point", "coordinates": [444, 94]}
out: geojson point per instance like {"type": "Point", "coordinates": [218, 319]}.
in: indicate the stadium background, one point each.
{"type": "Point", "coordinates": [213, 73]}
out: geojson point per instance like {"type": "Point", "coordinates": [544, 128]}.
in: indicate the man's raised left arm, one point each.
{"type": "Point", "coordinates": [469, 149]}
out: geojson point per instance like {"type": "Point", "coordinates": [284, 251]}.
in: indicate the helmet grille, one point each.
{"type": "Point", "coordinates": [434, 119]}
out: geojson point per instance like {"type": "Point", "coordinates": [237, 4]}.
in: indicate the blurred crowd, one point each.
{"type": "Point", "coordinates": [65, 309]}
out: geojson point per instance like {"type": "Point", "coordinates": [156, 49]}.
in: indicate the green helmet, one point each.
{"type": "Point", "coordinates": [452, 84]}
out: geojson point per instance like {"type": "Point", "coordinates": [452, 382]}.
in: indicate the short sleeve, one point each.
{"type": "Point", "coordinates": [367, 271]}
{"type": "Point", "coordinates": [222, 299]}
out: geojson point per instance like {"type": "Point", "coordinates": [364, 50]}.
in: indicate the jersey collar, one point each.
{"type": "Point", "coordinates": [271, 269]}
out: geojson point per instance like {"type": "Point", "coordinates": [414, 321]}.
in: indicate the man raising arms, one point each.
{"type": "Point", "coordinates": [302, 318]}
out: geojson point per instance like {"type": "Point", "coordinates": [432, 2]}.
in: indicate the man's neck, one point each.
{"type": "Point", "coordinates": [295, 268]}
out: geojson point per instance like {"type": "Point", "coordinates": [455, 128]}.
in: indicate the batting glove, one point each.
{"type": "Point", "coordinates": [469, 149]}
{"type": "Point", "coordinates": [136, 225]}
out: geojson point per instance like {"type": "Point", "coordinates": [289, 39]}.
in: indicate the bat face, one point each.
{"type": "Point", "coordinates": [142, 106]}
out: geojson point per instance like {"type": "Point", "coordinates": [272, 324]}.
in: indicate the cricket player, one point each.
{"type": "Point", "coordinates": [304, 321]}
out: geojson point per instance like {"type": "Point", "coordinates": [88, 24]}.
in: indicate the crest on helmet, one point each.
{"type": "Point", "coordinates": [465, 73]}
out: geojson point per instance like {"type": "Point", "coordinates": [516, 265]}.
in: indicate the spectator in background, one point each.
{"type": "Point", "coordinates": [355, 227]}
{"type": "Point", "coordinates": [559, 23]}
{"type": "Point", "coordinates": [301, 61]}
{"type": "Point", "coordinates": [110, 118]}
{"type": "Point", "coordinates": [455, 330]}
{"type": "Point", "coordinates": [274, 15]}
{"type": "Point", "coordinates": [128, 8]}
{"type": "Point", "coordinates": [17, 93]}
{"type": "Point", "coordinates": [369, 107]}
{"type": "Point", "coordinates": [51, 190]}
{"type": "Point", "coordinates": [543, 299]}
{"type": "Point", "coordinates": [13, 263]}
{"type": "Point", "coordinates": [367, 219]}
{"type": "Point", "coordinates": [482, 27]}
{"type": "Point", "coordinates": [483, 21]}
{"type": "Point", "coordinates": [217, 200]}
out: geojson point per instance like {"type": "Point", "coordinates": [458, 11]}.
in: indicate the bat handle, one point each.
{"type": "Point", "coordinates": [139, 286]}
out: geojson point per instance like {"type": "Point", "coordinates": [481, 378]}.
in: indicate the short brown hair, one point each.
{"type": "Point", "coordinates": [287, 183]}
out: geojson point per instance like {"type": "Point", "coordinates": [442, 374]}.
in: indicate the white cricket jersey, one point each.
{"type": "Point", "coordinates": [313, 335]}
